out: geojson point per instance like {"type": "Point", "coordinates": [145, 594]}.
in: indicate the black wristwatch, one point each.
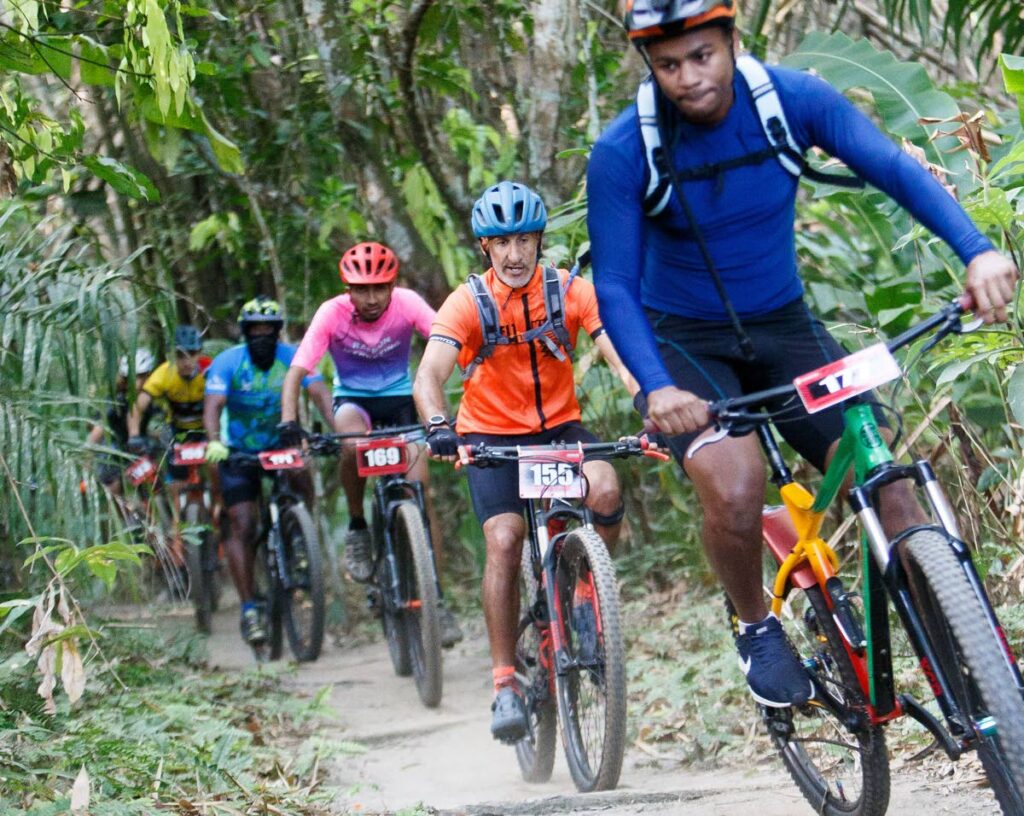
{"type": "Point", "coordinates": [436, 421]}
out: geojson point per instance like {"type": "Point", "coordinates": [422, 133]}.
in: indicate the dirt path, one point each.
{"type": "Point", "coordinates": [446, 760]}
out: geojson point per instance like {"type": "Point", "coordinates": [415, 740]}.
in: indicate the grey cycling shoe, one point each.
{"type": "Point", "coordinates": [359, 554]}
{"type": "Point", "coordinates": [508, 720]}
{"type": "Point", "coordinates": [451, 632]}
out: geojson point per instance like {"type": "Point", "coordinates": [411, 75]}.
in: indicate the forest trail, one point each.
{"type": "Point", "coordinates": [445, 760]}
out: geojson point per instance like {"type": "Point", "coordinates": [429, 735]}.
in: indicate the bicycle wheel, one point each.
{"type": "Point", "coordinates": [535, 752]}
{"type": "Point", "coordinates": [419, 591]}
{"type": "Point", "coordinates": [592, 689]}
{"type": "Point", "coordinates": [198, 544]}
{"type": "Point", "coordinates": [841, 770]}
{"type": "Point", "coordinates": [391, 617]}
{"type": "Point", "coordinates": [302, 594]}
{"type": "Point", "coordinates": [267, 592]}
{"type": "Point", "coordinates": [971, 658]}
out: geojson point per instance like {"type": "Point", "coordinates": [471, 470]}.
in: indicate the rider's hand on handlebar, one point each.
{"type": "Point", "coordinates": [139, 445]}
{"type": "Point", "coordinates": [675, 411]}
{"type": "Point", "coordinates": [989, 287]}
{"type": "Point", "coordinates": [291, 434]}
{"type": "Point", "coordinates": [443, 443]}
{"type": "Point", "coordinates": [216, 451]}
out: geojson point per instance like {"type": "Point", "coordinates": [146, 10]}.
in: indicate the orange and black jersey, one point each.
{"type": "Point", "coordinates": [522, 388]}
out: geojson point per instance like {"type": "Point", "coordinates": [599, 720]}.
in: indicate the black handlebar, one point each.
{"type": "Point", "coordinates": [731, 413]}
{"type": "Point", "coordinates": [483, 455]}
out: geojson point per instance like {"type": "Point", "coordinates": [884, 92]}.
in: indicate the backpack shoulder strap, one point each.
{"type": "Point", "coordinates": [776, 128]}
{"type": "Point", "coordinates": [659, 190]}
{"type": "Point", "coordinates": [487, 313]}
{"type": "Point", "coordinates": [770, 112]}
{"type": "Point", "coordinates": [554, 304]}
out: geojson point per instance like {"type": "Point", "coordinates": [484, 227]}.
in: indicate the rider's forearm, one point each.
{"type": "Point", "coordinates": [604, 345]}
{"type": "Point", "coordinates": [428, 393]}
{"type": "Point", "coordinates": [212, 407]}
{"type": "Point", "coordinates": [321, 395]}
{"type": "Point", "coordinates": [135, 416]}
{"type": "Point", "coordinates": [290, 393]}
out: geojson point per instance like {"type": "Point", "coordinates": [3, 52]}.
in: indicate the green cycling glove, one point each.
{"type": "Point", "coordinates": [216, 451]}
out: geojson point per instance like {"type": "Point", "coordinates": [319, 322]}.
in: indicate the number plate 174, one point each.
{"type": "Point", "coordinates": [554, 474]}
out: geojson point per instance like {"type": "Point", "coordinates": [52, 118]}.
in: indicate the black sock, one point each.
{"type": "Point", "coordinates": [357, 523]}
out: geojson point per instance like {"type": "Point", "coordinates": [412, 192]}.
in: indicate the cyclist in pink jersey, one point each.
{"type": "Point", "coordinates": [368, 332]}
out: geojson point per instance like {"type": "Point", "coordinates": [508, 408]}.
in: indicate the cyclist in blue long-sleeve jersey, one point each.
{"type": "Point", "coordinates": [691, 204]}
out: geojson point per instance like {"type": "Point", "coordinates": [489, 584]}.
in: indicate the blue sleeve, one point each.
{"type": "Point", "coordinates": [221, 370]}
{"type": "Point", "coordinates": [819, 115]}
{"type": "Point", "coordinates": [286, 352]}
{"type": "Point", "coordinates": [615, 221]}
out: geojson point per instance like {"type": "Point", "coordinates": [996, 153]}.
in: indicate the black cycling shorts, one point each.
{"type": "Point", "coordinates": [704, 358]}
{"type": "Point", "coordinates": [495, 489]}
{"type": "Point", "coordinates": [382, 412]}
{"type": "Point", "coordinates": [239, 483]}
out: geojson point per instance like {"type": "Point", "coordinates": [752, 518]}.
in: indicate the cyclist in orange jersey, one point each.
{"type": "Point", "coordinates": [512, 332]}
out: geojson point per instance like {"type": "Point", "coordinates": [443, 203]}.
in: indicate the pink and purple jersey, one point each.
{"type": "Point", "coordinates": [371, 359]}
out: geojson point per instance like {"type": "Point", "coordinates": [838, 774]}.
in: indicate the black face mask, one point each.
{"type": "Point", "coordinates": [262, 350]}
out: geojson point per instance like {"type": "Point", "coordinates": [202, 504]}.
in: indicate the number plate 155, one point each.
{"type": "Point", "coordinates": [553, 474]}
{"type": "Point", "coordinates": [381, 457]}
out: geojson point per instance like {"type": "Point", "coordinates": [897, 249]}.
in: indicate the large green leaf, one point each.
{"type": "Point", "coordinates": [1013, 78]}
{"type": "Point", "coordinates": [125, 180]}
{"type": "Point", "coordinates": [1015, 394]}
{"type": "Point", "coordinates": [903, 93]}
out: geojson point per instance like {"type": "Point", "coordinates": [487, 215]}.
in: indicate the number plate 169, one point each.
{"type": "Point", "coordinates": [554, 474]}
{"type": "Point", "coordinates": [381, 457]}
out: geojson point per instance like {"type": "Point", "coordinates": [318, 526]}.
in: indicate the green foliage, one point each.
{"type": "Point", "coordinates": [161, 732]}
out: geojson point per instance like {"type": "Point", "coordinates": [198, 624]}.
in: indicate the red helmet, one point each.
{"type": "Point", "coordinates": [368, 262]}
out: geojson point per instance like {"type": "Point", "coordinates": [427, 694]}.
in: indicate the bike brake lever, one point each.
{"type": "Point", "coordinates": [717, 436]}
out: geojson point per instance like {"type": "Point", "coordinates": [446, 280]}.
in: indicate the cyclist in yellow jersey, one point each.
{"type": "Point", "coordinates": [182, 385]}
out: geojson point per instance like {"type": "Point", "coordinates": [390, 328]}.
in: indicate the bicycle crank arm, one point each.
{"type": "Point", "coordinates": [918, 712]}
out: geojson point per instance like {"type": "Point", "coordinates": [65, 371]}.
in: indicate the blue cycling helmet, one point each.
{"type": "Point", "coordinates": [187, 338]}
{"type": "Point", "coordinates": [508, 208]}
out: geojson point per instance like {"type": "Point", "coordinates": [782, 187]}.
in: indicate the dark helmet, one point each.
{"type": "Point", "coordinates": [187, 338]}
{"type": "Point", "coordinates": [508, 208]}
{"type": "Point", "coordinates": [261, 309]}
{"type": "Point", "coordinates": [648, 20]}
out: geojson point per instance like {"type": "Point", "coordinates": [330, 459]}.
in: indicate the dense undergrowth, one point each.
{"type": "Point", "coordinates": [157, 731]}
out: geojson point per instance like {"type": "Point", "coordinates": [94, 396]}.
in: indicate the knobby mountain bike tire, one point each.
{"type": "Point", "coordinates": [267, 596]}
{"type": "Point", "coordinates": [840, 770]}
{"type": "Point", "coordinates": [592, 691]}
{"type": "Point", "coordinates": [303, 605]}
{"type": "Point", "coordinates": [391, 619]}
{"type": "Point", "coordinates": [534, 659]}
{"type": "Point", "coordinates": [972, 659]}
{"type": "Point", "coordinates": [422, 616]}
{"type": "Point", "coordinates": [200, 560]}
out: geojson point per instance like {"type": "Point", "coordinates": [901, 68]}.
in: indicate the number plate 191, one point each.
{"type": "Point", "coordinates": [381, 457]}
{"type": "Point", "coordinates": [553, 474]}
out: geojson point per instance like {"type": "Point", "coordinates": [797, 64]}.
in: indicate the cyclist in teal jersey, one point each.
{"type": "Point", "coordinates": [247, 380]}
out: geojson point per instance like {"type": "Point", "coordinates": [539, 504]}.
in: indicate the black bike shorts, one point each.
{"type": "Point", "coordinates": [382, 412]}
{"type": "Point", "coordinates": [239, 483]}
{"type": "Point", "coordinates": [704, 358]}
{"type": "Point", "coordinates": [495, 489]}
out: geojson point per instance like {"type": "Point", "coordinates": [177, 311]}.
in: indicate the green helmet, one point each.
{"type": "Point", "coordinates": [261, 309]}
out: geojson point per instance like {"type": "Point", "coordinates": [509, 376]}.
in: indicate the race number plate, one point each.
{"type": "Point", "coordinates": [189, 453]}
{"type": "Point", "coordinates": [141, 471]}
{"type": "Point", "coordinates": [550, 474]}
{"type": "Point", "coordinates": [845, 378]}
{"type": "Point", "coordinates": [379, 457]}
{"type": "Point", "coordinates": [285, 459]}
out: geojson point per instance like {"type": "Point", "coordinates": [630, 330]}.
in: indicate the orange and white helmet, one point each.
{"type": "Point", "coordinates": [368, 262]}
{"type": "Point", "coordinates": [647, 20]}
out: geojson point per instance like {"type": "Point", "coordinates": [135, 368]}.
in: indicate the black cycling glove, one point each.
{"type": "Point", "coordinates": [138, 445]}
{"type": "Point", "coordinates": [443, 441]}
{"type": "Point", "coordinates": [290, 434]}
